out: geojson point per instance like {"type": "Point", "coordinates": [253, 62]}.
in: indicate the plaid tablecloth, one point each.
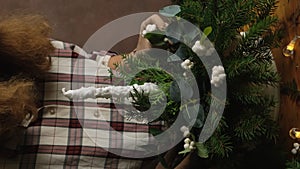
{"type": "Point", "coordinates": [77, 134]}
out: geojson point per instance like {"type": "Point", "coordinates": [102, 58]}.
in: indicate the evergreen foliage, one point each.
{"type": "Point", "coordinates": [246, 125]}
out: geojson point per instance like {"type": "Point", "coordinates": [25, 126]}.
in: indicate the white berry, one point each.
{"type": "Point", "coordinates": [183, 129]}
{"type": "Point", "coordinates": [187, 141]}
{"type": "Point", "coordinates": [294, 151]}
{"type": "Point", "coordinates": [186, 133]}
{"type": "Point", "coordinates": [186, 146]}
{"type": "Point", "coordinates": [191, 147]}
{"type": "Point", "coordinates": [192, 143]}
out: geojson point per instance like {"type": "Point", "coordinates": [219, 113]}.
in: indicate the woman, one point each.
{"type": "Point", "coordinates": [33, 69]}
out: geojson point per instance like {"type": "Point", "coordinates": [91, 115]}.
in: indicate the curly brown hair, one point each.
{"type": "Point", "coordinates": [24, 58]}
{"type": "Point", "coordinates": [25, 45]}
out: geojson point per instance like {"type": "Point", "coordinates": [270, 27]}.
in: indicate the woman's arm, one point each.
{"type": "Point", "coordinates": [142, 43]}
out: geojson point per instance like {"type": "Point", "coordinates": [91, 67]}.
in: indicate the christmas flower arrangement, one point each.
{"type": "Point", "coordinates": [241, 34]}
{"type": "Point", "coordinates": [208, 67]}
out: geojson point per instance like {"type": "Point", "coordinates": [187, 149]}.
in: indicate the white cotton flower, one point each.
{"type": "Point", "coordinates": [218, 76]}
{"type": "Point", "coordinates": [186, 146]}
{"type": "Point", "coordinates": [187, 141]}
{"type": "Point", "coordinates": [184, 74]}
{"type": "Point", "coordinates": [294, 151]}
{"type": "Point", "coordinates": [149, 28]}
{"type": "Point", "coordinates": [187, 64]}
{"type": "Point", "coordinates": [296, 145]}
{"type": "Point", "coordinates": [198, 48]}
{"type": "Point", "coordinates": [184, 128]}
{"type": "Point", "coordinates": [144, 32]}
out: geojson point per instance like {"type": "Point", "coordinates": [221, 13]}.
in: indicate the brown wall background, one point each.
{"type": "Point", "coordinates": [76, 20]}
{"type": "Point", "coordinates": [289, 68]}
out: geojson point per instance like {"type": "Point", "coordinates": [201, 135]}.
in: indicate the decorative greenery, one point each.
{"type": "Point", "coordinates": [246, 125]}
{"type": "Point", "coordinates": [293, 164]}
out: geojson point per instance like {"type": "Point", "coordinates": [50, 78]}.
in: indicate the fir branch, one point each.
{"type": "Point", "coordinates": [250, 127]}
{"type": "Point", "coordinates": [260, 27]}
{"type": "Point", "coordinates": [219, 145]}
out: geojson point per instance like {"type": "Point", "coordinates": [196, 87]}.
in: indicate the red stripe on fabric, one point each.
{"type": "Point", "coordinates": [66, 53]}
{"type": "Point", "coordinates": [78, 105]}
{"type": "Point", "coordinates": [60, 77]}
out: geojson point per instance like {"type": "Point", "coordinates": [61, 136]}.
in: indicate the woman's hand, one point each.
{"type": "Point", "coordinates": [144, 43]}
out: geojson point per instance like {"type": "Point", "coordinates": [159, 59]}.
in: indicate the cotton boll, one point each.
{"type": "Point", "coordinates": [216, 79]}
{"type": "Point", "coordinates": [144, 32]}
{"type": "Point", "coordinates": [222, 76]}
{"type": "Point", "coordinates": [198, 48]}
{"type": "Point", "coordinates": [218, 76]}
{"type": "Point", "coordinates": [151, 28]}
{"type": "Point", "coordinates": [187, 64]}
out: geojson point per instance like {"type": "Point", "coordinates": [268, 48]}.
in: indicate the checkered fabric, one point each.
{"type": "Point", "coordinates": [78, 133]}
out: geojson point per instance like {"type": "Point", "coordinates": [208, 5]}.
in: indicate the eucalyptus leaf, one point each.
{"type": "Point", "coordinates": [174, 32]}
{"type": "Point", "coordinates": [173, 58]}
{"type": "Point", "coordinates": [183, 31]}
{"type": "Point", "coordinates": [186, 89]}
{"type": "Point", "coordinates": [190, 113]}
{"type": "Point", "coordinates": [200, 118]}
{"type": "Point", "coordinates": [170, 11]}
